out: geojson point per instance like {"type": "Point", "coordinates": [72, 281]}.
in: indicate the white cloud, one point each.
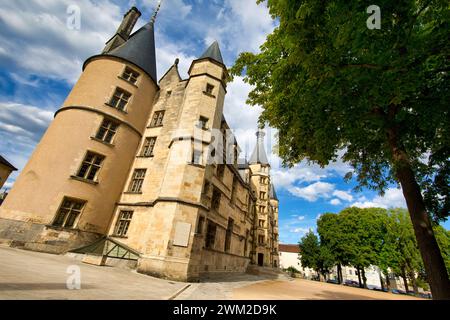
{"type": "Point", "coordinates": [308, 172]}
{"type": "Point", "coordinates": [166, 53]}
{"type": "Point", "coordinates": [343, 195]}
{"type": "Point", "coordinates": [35, 33]}
{"type": "Point", "coordinates": [8, 185]}
{"type": "Point", "coordinates": [301, 231]}
{"type": "Point", "coordinates": [314, 191]}
{"type": "Point", "coordinates": [301, 218]}
{"type": "Point", "coordinates": [286, 178]}
{"type": "Point", "coordinates": [335, 202]}
{"type": "Point", "coordinates": [25, 80]}
{"type": "Point", "coordinates": [28, 121]}
{"type": "Point", "coordinates": [241, 25]}
{"type": "Point", "coordinates": [393, 198]}
{"type": "Point", "coordinates": [170, 9]}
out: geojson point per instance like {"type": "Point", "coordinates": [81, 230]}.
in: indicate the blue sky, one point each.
{"type": "Point", "coordinates": [40, 60]}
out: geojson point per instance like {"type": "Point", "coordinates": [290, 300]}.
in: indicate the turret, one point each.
{"type": "Point", "coordinates": [259, 153]}
{"type": "Point", "coordinates": [66, 194]}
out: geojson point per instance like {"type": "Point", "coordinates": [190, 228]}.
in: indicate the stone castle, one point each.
{"type": "Point", "coordinates": [132, 170]}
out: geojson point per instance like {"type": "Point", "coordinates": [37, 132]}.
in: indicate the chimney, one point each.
{"type": "Point", "coordinates": [123, 32]}
{"type": "Point", "coordinates": [129, 21]}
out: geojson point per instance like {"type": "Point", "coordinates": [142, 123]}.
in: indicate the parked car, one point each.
{"type": "Point", "coordinates": [351, 283]}
{"type": "Point", "coordinates": [398, 291]}
{"type": "Point", "coordinates": [373, 287]}
{"type": "Point", "coordinates": [425, 295]}
{"type": "Point", "coordinates": [335, 281]}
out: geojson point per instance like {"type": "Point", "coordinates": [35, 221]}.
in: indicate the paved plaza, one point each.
{"type": "Point", "coordinates": [33, 275]}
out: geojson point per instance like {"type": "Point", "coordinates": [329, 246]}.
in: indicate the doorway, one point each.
{"type": "Point", "coordinates": [260, 259]}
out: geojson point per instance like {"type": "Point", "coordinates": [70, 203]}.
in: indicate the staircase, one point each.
{"type": "Point", "coordinates": [273, 273]}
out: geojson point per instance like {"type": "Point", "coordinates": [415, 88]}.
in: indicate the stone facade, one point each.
{"type": "Point", "coordinates": [159, 185]}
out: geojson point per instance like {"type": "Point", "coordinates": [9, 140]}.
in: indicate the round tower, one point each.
{"type": "Point", "coordinates": [66, 194]}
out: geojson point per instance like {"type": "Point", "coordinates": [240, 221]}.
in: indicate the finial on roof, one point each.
{"type": "Point", "coordinates": [158, 7]}
{"type": "Point", "coordinates": [177, 61]}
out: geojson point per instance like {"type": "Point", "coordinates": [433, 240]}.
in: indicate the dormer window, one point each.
{"type": "Point", "coordinates": [130, 75]}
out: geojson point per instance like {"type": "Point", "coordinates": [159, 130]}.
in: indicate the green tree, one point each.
{"type": "Point", "coordinates": [388, 254]}
{"type": "Point", "coordinates": [329, 229]}
{"type": "Point", "coordinates": [309, 250]}
{"type": "Point", "coordinates": [405, 259]}
{"type": "Point", "coordinates": [313, 255]}
{"type": "Point", "coordinates": [329, 84]}
{"type": "Point", "coordinates": [325, 261]}
{"type": "Point", "coordinates": [443, 239]}
{"type": "Point", "coordinates": [364, 233]}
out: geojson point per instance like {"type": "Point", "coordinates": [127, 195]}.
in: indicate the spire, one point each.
{"type": "Point", "coordinates": [259, 154]}
{"type": "Point", "coordinates": [213, 52]}
{"type": "Point", "coordinates": [140, 50]}
{"type": "Point", "coordinates": [140, 47]}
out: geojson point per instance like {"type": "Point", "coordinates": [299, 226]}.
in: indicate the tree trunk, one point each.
{"type": "Point", "coordinates": [405, 282]}
{"type": "Point", "coordinates": [412, 276]}
{"type": "Point", "coordinates": [339, 273]}
{"type": "Point", "coordinates": [431, 255]}
{"type": "Point", "coordinates": [364, 277]}
{"type": "Point", "coordinates": [388, 282]}
{"type": "Point", "coordinates": [381, 280]}
{"type": "Point", "coordinates": [359, 277]}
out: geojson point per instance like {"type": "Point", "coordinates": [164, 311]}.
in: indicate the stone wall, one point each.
{"type": "Point", "coordinates": [39, 237]}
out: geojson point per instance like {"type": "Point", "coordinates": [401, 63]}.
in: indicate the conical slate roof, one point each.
{"type": "Point", "coordinates": [259, 154]}
{"type": "Point", "coordinates": [140, 50]}
{"type": "Point", "coordinates": [272, 193]}
{"type": "Point", "coordinates": [213, 52]}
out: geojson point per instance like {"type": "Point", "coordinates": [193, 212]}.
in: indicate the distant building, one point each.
{"type": "Point", "coordinates": [108, 179]}
{"type": "Point", "coordinates": [6, 169]}
{"type": "Point", "coordinates": [350, 273]}
{"type": "Point", "coordinates": [289, 257]}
